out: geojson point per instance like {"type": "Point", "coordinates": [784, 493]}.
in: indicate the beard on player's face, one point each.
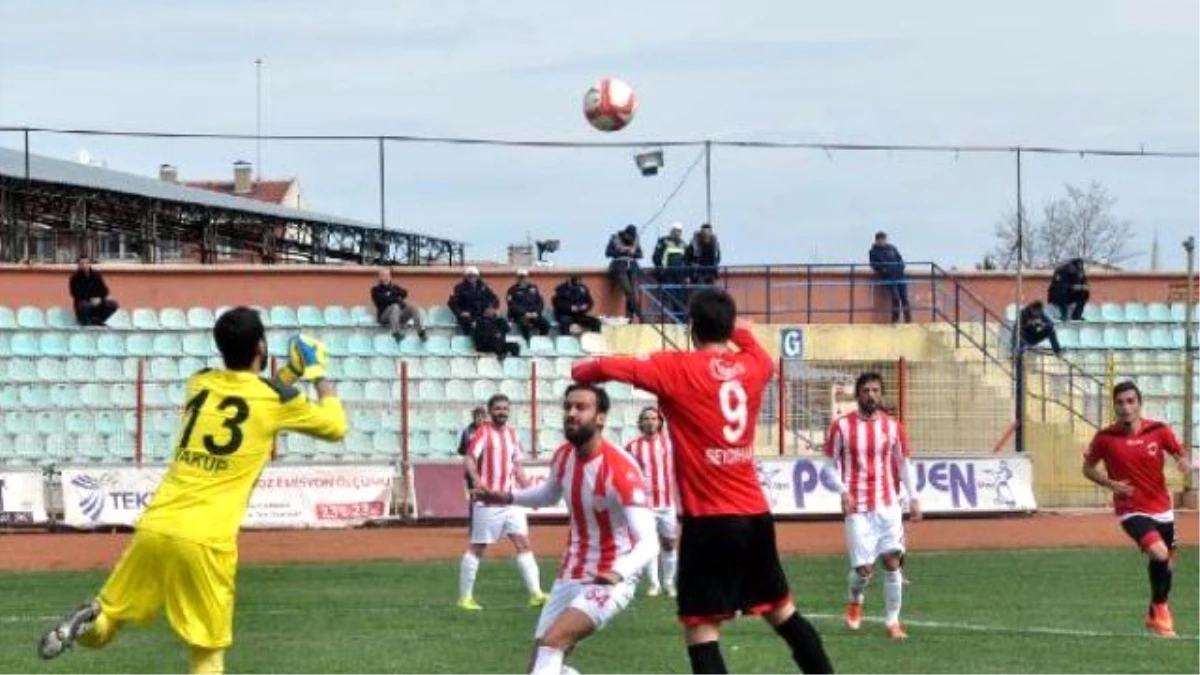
{"type": "Point", "coordinates": [868, 404]}
{"type": "Point", "coordinates": [578, 433]}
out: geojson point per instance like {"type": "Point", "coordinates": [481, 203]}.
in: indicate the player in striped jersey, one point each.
{"type": "Point", "coordinates": [870, 459]}
{"type": "Point", "coordinates": [653, 453]}
{"type": "Point", "coordinates": [611, 529]}
{"type": "Point", "coordinates": [493, 461]}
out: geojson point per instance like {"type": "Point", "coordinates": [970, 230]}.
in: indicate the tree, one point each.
{"type": "Point", "coordinates": [1079, 224]}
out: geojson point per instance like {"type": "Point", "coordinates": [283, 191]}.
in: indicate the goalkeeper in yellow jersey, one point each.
{"type": "Point", "coordinates": [183, 554]}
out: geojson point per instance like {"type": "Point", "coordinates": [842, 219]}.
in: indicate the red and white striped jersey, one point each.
{"type": "Point", "coordinates": [867, 454]}
{"type": "Point", "coordinates": [597, 492]}
{"type": "Point", "coordinates": [496, 451]}
{"type": "Point", "coordinates": [656, 458]}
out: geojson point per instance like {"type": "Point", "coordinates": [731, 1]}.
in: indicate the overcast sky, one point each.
{"type": "Point", "coordinates": [1078, 73]}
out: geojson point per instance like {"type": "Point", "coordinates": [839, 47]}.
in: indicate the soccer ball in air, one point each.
{"type": "Point", "coordinates": [610, 104]}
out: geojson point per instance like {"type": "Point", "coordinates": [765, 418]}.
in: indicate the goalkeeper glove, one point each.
{"type": "Point", "coordinates": [306, 360]}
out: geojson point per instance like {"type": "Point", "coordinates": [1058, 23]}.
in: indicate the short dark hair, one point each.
{"type": "Point", "coordinates": [603, 403]}
{"type": "Point", "coordinates": [712, 313]}
{"type": "Point", "coordinates": [496, 398]}
{"type": "Point", "coordinates": [238, 333]}
{"type": "Point", "coordinates": [869, 376]}
{"type": "Point", "coordinates": [1125, 386]}
{"type": "Point", "coordinates": [706, 226]}
{"type": "Point", "coordinates": [880, 235]}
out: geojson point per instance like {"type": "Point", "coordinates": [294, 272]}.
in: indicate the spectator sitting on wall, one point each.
{"type": "Point", "coordinates": [490, 333]}
{"type": "Point", "coordinates": [625, 250]}
{"type": "Point", "coordinates": [572, 302]}
{"type": "Point", "coordinates": [670, 269]}
{"type": "Point", "coordinates": [1036, 327]}
{"type": "Point", "coordinates": [525, 306]}
{"type": "Point", "coordinates": [1069, 289]}
{"type": "Point", "coordinates": [478, 417]}
{"type": "Point", "coordinates": [471, 297]}
{"type": "Point", "coordinates": [704, 256]}
{"type": "Point", "coordinates": [889, 267]}
{"type": "Point", "coordinates": [392, 308]}
{"type": "Point", "coordinates": [89, 295]}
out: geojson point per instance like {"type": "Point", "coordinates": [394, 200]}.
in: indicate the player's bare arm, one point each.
{"type": "Point", "coordinates": [1092, 472]}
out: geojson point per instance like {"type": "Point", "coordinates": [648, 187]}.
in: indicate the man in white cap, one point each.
{"type": "Point", "coordinates": [525, 306]}
{"type": "Point", "coordinates": [670, 268]}
{"type": "Point", "coordinates": [470, 299]}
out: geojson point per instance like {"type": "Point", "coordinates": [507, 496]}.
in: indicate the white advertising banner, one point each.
{"type": "Point", "coordinates": [285, 497]}
{"type": "Point", "coordinates": [944, 485]}
{"type": "Point", "coordinates": [22, 498]}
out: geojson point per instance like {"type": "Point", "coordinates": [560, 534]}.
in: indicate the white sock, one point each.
{"type": "Point", "coordinates": [652, 573]}
{"type": "Point", "coordinates": [893, 591]}
{"type": "Point", "coordinates": [466, 575]}
{"type": "Point", "coordinates": [549, 661]}
{"type": "Point", "coordinates": [670, 563]}
{"type": "Point", "coordinates": [857, 584]}
{"type": "Point", "coordinates": [527, 564]}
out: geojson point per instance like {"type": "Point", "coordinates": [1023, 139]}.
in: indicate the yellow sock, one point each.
{"type": "Point", "coordinates": [102, 632]}
{"type": "Point", "coordinates": [203, 661]}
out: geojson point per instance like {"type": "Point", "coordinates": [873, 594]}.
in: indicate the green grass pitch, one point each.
{"type": "Point", "coordinates": [1022, 611]}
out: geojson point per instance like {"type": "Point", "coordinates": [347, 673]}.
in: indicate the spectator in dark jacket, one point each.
{"type": "Point", "coordinates": [392, 308]}
{"type": "Point", "coordinates": [89, 294]}
{"type": "Point", "coordinates": [670, 269]}
{"type": "Point", "coordinates": [490, 333]}
{"type": "Point", "coordinates": [704, 256]}
{"type": "Point", "coordinates": [478, 417]}
{"type": "Point", "coordinates": [572, 301]}
{"type": "Point", "coordinates": [625, 250]}
{"type": "Point", "coordinates": [1069, 289]}
{"type": "Point", "coordinates": [889, 267]}
{"type": "Point", "coordinates": [525, 306]}
{"type": "Point", "coordinates": [471, 297]}
{"type": "Point", "coordinates": [1036, 327]}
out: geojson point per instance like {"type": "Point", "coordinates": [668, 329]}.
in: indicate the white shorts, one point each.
{"type": "Point", "coordinates": [600, 603]}
{"type": "Point", "coordinates": [871, 534]}
{"type": "Point", "coordinates": [666, 522]}
{"type": "Point", "coordinates": [489, 524]}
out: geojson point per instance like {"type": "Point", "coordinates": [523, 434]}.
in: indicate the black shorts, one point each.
{"type": "Point", "coordinates": [728, 565]}
{"type": "Point", "coordinates": [1146, 530]}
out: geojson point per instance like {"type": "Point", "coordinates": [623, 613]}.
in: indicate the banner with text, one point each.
{"type": "Point", "coordinates": [285, 497]}
{"type": "Point", "coordinates": [22, 498]}
{"type": "Point", "coordinates": [944, 485]}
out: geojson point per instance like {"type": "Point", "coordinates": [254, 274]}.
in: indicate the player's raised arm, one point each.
{"type": "Point", "coordinates": [643, 372]}
{"type": "Point", "coordinates": [743, 338]}
{"type": "Point", "coordinates": [325, 419]}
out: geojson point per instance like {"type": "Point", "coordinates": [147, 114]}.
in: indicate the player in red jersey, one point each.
{"type": "Point", "coordinates": [870, 460]}
{"type": "Point", "coordinates": [728, 561]}
{"type": "Point", "coordinates": [652, 451]}
{"type": "Point", "coordinates": [1133, 452]}
{"type": "Point", "coordinates": [611, 529]}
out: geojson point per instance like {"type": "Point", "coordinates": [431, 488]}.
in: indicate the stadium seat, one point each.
{"type": "Point", "coordinates": [1156, 312]}
{"type": "Point", "coordinates": [200, 318]}
{"type": "Point", "coordinates": [443, 443]}
{"type": "Point", "coordinates": [562, 367]}
{"type": "Point", "coordinates": [459, 391]}
{"type": "Point", "coordinates": [364, 420]}
{"type": "Point", "coordinates": [1136, 312]}
{"type": "Point", "coordinates": [61, 318]}
{"type": "Point", "coordinates": [120, 320]}
{"type": "Point", "coordinates": [10, 397]}
{"type": "Point", "coordinates": [1179, 311]}
{"type": "Point", "coordinates": [168, 344]}
{"type": "Point", "coordinates": [283, 316]}
{"type": "Point", "coordinates": [109, 370]}
{"type": "Point", "coordinates": [567, 345]}
{"type": "Point", "coordinates": [337, 317]}
{"type": "Point", "coordinates": [515, 390]}
{"type": "Point", "coordinates": [1112, 312]}
{"type": "Point", "coordinates": [383, 368]}
{"type": "Point", "coordinates": [59, 446]}
{"type": "Point", "coordinates": [48, 422]}
{"type": "Point", "coordinates": [449, 418]}
{"type": "Point", "coordinates": [461, 345]}
{"type": "Point", "coordinates": [353, 368]}
{"type": "Point", "coordinates": [5, 346]}
{"type": "Point", "coordinates": [50, 370]}
{"type": "Point", "coordinates": [189, 366]}
{"type": "Point", "coordinates": [1179, 337]}
{"type": "Point", "coordinates": [54, 344]}
{"type": "Point", "coordinates": [31, 318]}
{"type": "Point", "coordinates": [350, 392]}
{"type": "Point", "coordinates": [1137, 337]}
{"type": "Point", "coordinates": [411, 345]}
{"type": "Point", "coordinates": [80, 370]}
{"type": "Point", "coordinates": [415, 367]}
{"type": "Point", "coordinates": [593, 343]}
{"type": "Point", "coordinates": [277, 344]}
{"type": "Point", "coordinates": [363, 316]}
{"type": "Point", "coordinates": [77, 422]}
{"type": "Point", "coordinates": [1091, 313]}
{"type": "Point", "coordinates": [163, 370]}
{"type": "Point", "coordinates": [35, 396]}
{"type": "Point", "coordinates": [441, 316]}
{"type": "Point", "coordinates": [436, 368]}
{"type": "Point", "coordinates": [8, 320]}
{"type": "Point", "coordinates": [1091, 338]}
{"type": "Point", "coordinates": [1172, 385]}
{"type": "Point", "coordinates": [542, 367]}
{"type": "Point", "coordinates": [110, 344]}
{"type": "Point", "coordinates": [198, 344]}
{"type": "Point", "coordinates": [484, 389]}
{"type": "Point", "coordinates": [121, 395]}
{"type": "Point", "coordinates": [24, 344]}
{"type": "Point", "coordinates": [385, 444]}
{"type": "Point", "coordinates": [431, 391]}
{"type": "Point", "coordinates": [437, 345]}
{"type": "Point", "coordinates": [172, 318]}
{"type": "Point", "coordinates": [309, 316]}
{"type": "Point", "coordinates": [82, 344]}
{"type": "Point", "coordinates": [139, 344]}
{"type": "Point", "coordinates": [541, 346]}
{"type": "Point", "coordinates": [145, 319]}
{"type": "Point", "coordinates": [489, 368]}
{"type": "Point", "coordinates": [385, 345]}
{"type": "Point", "coordinates": [18, 422]}
{"type": "Point", "coordinates": [22, 370]}
{"type": "Point", "coordinates": [118, 448]}
{"type": "Point", "coordinates": [619, 391]}
{"type": "Point", "coordinates": [360, 344]}
{"type": "Point", "coordinates": [1114, 338]}
{"type": "Point", "coordinates": [463, 367]}
{"type": "Point", "coordinates": [516, 369]}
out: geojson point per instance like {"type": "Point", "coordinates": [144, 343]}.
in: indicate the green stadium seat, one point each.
{"type": "Point", "coordinates": [437, 345]}
{"type": "Point", "coordinates": [1160, 338]}
{"type": "Point", "coordinates": [277, 344]}
{"type": "Point", "coordinates": [8, 320]}
{"type": "Point", "coordinates": [412, 345]}
{"type": "Point", "coordinates": [1136, 312]}
{"type": "Point", "coordinates": [48, 422]}
{"type": "Point", "coordinates": [515, 390]}
{"type": "Point", "coordinates": [440, 316]}
{"type": "Point", "coordinates": [80, 370]}
{"type": "Point", "coordinates": [120, 320]}
{"type": "Point", "coordinates": [168, 344]}
{"type": "Point", "coordinates": [1138, 338]}
{"type": "Point", "coordinates": [335, 369]}
{"type": "Point", "coordinates": [364, 420]}
{"type": "Point", "coordinates": [443, 443]}
{"type": "Point", "coordinates": [383, 368]}
{"type": "Point", "coordinates": [283, 316]}
{"type": "Point", "coordinates": [139, 344]}
{"type": "Point", "coordinates": [54, 344]}
{"type": "Point", "coordinates": [350, 391]}
{"type": "Point", "coordinates": [459, 391]}
{"type": "Point", "coordinates": [107, 422]}
{"type": "Point", "coordinates": [1179, 338]}
{"type": "Point", "coordinates": [542, 367]}
{"type": "Point", "coordinates": [562, 367]}
{"type": "Point", "coordinates": [482, 390]}
{"type": "Point", "coordinates": [1157, 312]}
{"type": "Point", "coordinates": [355, 369]}
{"type": "Point", "coordinates": [385, 345]}
{"type": "Point", "coordinates": [490, 368]}
{"type": "Point", "coordinates": [1091, 338]}
{"type": "Point", "coordinates": [462, 345]}
{"type": "Point", "coordinates": [145, 319]}
{"type": "Point", "coordinates": [82, 344]}
{"type": "Point", "coordinates": [189, 366]}
{"type": "Point", "coordinates": [431, 391]}
{"type": "Point", "coordinates": [357, 443]}
{"type": "Point", "coordinates": [50, 371]}
{"type": "Point", "coordinates": [200, 318]}
{"type": "Point", "coordinates": [59, 447]}
{"type": "Point", "coordinates": [163, 370]}
{"type": "Point", "coordinates": [19, 422]}
{"type": "Point", "coordinates": [172, 318]}
{"type": "Point", "coordinates": [516, 369]}
{"type": "Point", "coordinates": [1172, 385]}
{"type": "Point", "coordinates": [61, 318]}
{"type": "Point", "coordinates": [1112, 312]}
{"type": "Point", "coordinates": [25, 344]}
{"type": "Point", "coordinates": [381, 391]}
{"type": "Point", "coordinates": [1179, 311]}
{"type": "Point", "coordinates": [110, 344]}
{"type": "Point", "coordinates": [436, 368]}
{"type": "Point", "coordinates": [593, 343]}
{"type": "Point", "coordinates": [22, 370]}
{"type": "Point", "coordinates": [5, 346]}
{"type": "Point", "coordinates": [337, 317]}
{"type": "Point", "coordinates": [118, 448]}
{"type": "Point", "coordinates": [360, 344]}
{"type": "Point", "coordinates": [310, 317]}
{"type": "Point", "coordinates": [541, 346]}
{"type": "Point", "coordinates": [31, 318]}
{"type": "Point", "coordinates": [200, 345]}
{"type": "Point", "coordinates": [76, 422]}
{"type": "Point", "coordinates": [121, 395]}
{"type": "Point", "coordinates": [10, 397]}
{"type": "Point", "coordinates": [567, 345]}
{"type": "Point", "coordinates": [363, 316]}
{"type": "Point", "coordinates": [463, 367]}
{"type": "Point", "coordinates": [385, 443]}
{"type": "Point", "coordinates": [619, 391]}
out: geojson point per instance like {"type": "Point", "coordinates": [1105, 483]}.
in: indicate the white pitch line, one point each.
{"type": "Point", "coordinates": [1026, 630]}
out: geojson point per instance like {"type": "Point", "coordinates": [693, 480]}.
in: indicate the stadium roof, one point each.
{"type": "Point", "coordinates": [62, 172]}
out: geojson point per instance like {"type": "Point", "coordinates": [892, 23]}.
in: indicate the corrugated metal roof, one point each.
{"type": "Point", "coordinates": [50, 170]}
